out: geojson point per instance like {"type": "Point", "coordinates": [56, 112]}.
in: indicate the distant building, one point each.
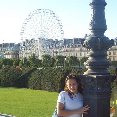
{"type": "Point", "coordinates": [79, 52]}
{"type": "Point", "coordinates": [9, 50]}
{"type": "Point", "coordinates": [11, 54]}
{"type": "Point", "coordinates": [112, 53]}
{"type": "Point", "coordinates": [65, 47]}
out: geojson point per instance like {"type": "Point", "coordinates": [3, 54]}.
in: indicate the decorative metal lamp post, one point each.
{"type": "Point", "coordinates": [97, 80]}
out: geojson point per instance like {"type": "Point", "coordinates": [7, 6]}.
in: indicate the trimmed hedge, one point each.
{"type": "Point", "coordinates": [22, 81]}
{"type": "Point", "coordinates": [9, 76]}
{"type": "Point", "coordinates": [50, 79]}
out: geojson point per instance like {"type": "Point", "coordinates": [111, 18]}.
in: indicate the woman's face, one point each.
{"type": "Point", "coordinates": [72, 85]}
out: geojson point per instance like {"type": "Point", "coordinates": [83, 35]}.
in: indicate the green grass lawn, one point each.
{"type": "Point", "coordinates": [27, 103]}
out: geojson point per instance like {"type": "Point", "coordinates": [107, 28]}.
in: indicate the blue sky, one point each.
{"type": "Point", "coordinates": [74, 16]}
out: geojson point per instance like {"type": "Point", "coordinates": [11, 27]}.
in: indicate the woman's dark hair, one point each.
{"type": "Point", "coordinates": [72, 76]}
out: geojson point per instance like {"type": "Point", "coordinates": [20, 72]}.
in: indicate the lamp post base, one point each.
{"type": "Point", "coordinates": [96, 94]}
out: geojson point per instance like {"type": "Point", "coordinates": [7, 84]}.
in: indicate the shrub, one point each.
{"type": "Point", "coordinates": [9, 76]}
{"type": "Point", "coordinates": [50, 79]}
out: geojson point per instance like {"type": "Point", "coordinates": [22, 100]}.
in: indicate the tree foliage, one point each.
{"type": "Point", "coordinates": [46, 60]}
{"type": "Point", "coordinates": [9, 75]}
{"type": "Point", "coordinates": [34, 61]}
{"type": "Point", "coordinates": [72, 61]}
{"type": "Point", "coordinates": [40, 74]}
{"type": "Point", "coordinates": [59, 60]}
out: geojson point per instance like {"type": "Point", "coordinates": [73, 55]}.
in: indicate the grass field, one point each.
{"type": "Point", "coordinates": [27, 102]}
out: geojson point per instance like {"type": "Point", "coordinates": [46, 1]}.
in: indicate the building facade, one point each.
{"type": "Point", "coordinates": [9, 50]}
{"type": "Point", "coordinates": [66, 47]}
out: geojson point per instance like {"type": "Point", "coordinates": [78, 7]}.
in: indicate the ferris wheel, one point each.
{"type": "Point", "coordinates": [42, 23]}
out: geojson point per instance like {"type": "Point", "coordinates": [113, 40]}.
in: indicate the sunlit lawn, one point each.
{"type": "Point", "coordinates": [27, 102]}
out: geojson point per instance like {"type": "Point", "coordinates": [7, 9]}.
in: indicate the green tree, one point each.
{"type": "Point", "coordinates": [24, 62]}
{"type": "Point", "coordinates": [34, 61]}
{"type": "Point", "coordinates": [9, 75]}
{"type": "Point", "coordinates": [72, 61]}
{"type": "Point", "coordinates": [82, 60]}
{"type": "Point", "coordinates": [53, 62]}
{"type": "Point", "coordinates": [16, 62]}
{"type": "Point", "coordinates": [46, 60]}
{"type": "Point", "coordinates": [114, 63]}
{"type": "Point", "coordinates": [7, 61]}
{"type": "Point", "coordinates": [1, 63]}
{"type": "Point", "coordinates": [59, 60]}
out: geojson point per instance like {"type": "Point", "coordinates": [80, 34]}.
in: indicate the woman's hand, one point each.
{"type": "Point", "coordinates": [62, 112]}
{"type": "Point", "coordinates": [84, 109]}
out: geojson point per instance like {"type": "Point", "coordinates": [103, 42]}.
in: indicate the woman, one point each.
{"type": "Point", "coordinates": [70, 101]}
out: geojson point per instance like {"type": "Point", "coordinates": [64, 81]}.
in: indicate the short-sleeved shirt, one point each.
{"type": "Point", "coordinates": [71, 103]}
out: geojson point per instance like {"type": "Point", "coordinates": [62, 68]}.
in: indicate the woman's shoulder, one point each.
{"type": "Point", "coordinates": [62, 97]}
{"type": "Point", "coordinates": [63, 93]}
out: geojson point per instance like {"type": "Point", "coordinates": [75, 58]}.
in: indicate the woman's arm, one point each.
{"type": "Point", "coordinates": [62, 112]}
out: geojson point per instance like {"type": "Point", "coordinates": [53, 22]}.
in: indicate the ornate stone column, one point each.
{"type": "Point", "coordinates": [97, 80]}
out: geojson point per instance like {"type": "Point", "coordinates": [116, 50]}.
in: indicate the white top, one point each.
{"type": "Point", "coordinates": [71, 104]}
